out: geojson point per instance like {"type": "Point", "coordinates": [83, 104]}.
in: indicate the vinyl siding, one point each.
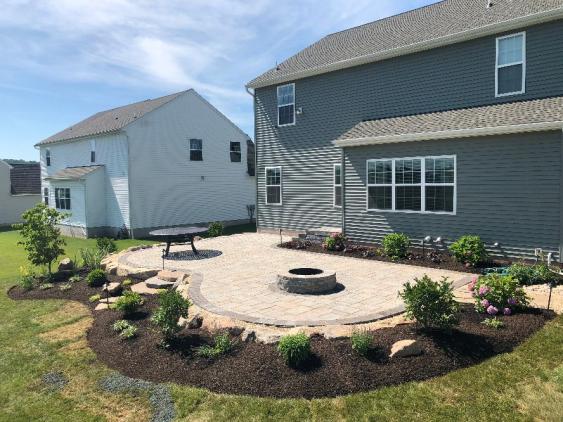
{"type": "Point", "coordinates": [167, 189]}
{"type": "Point", "coordinates": [456, 76]}
{"type": "Point", "coordinates": [508, 191]}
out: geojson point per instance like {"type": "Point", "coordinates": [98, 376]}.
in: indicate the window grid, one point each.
{"type": "Point", "coordinates": [273, 185]}
{"type": "Point", "coordinates": [62, 198]}
{"type": "Point", "coordinates": [510, 64]}
{"type": "Point", "coordinates": [46, 196]}
{"type": "Point", "coordinates": [196, 150]}
{"type": "Point", "coordinates": [235, 152]}
{"type": "Point", "coordinates": [48, 157]}
{"type": "Point", "coordinates": [337, 191]}
{"type": "Point", "coordinates": [286, 105]}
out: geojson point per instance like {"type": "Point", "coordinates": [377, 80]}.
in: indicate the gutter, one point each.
{"type": "Point", "coordinates": [449, 134]}
{"type": "Point", "coordinates": [471, 34]}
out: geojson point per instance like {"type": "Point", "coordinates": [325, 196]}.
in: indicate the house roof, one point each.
{"type": "Point", "coordinates": [110, 120]}
{"type": "Point", "coordinates": [438, 24]}
{"type": "Point", "coordinates": [74, 173]}
{"type": "Point", "coordinates": [25, 179]}
{"type": "Point", "coordinates": [516, 117]}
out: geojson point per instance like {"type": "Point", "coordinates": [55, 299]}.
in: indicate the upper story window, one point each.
{"type": "Point", "coordinates": [48, 157]}
{"type": "Point", "coordinates": [235, 152]}
{"type": "Point", "coordinates": [46, 196]}
{"type": "Point", "coordinates": [286, 105]}
{"type": "Point", "coordinates": [511, 65]}
{"type": "Point", "coordinates": [338, 185]}
{"type": "Point", "coordinates": [273, 185]}
{"type": "Point", "coordinates": [62, 198]}
{"type": "Point", "coordinates": [92, 151]}
{"type": "Point", "coordinates": [196, 150]}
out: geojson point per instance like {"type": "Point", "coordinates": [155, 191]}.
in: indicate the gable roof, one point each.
{"type": "Point", "coordinates": [74, 173]}
{"type": "Point", "coordinates": [441, 23]}
{"type": "Point", "coordinates": [110, 120]}
{"type": "Point", "coordinates": [516, 117]}
{"type": "Point", "coordinates": [25, 179]}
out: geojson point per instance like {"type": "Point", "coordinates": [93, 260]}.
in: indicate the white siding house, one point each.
{"type": "Point", "coordinates": [19, 191]}
{"type": "Point", "coordinates": [131, 168]}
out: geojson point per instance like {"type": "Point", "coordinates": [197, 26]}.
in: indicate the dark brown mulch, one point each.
{"type": "Point", "coordinates": [334, 370]}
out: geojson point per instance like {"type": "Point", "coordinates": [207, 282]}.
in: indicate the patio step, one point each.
{"type": "Point", "coordinates": [157, 283]}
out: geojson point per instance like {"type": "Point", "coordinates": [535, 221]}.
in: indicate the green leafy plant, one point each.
{"type": "Point", "coordinates": [431, 303]}
{"type": "Point", "coordinates": [215, 229]}
{"type": "Point", "coordinates": [222, 344]}
{"type": "Point", "coordinates": [42, 238]}
{"type": "Point", "coordinates": [532, 274]}
{"type": "Point", "coordinates": [495, 323]}
{"type": "Point", "coordinates": [75, 278]}
{"type": "Point", "coordinates": [94, 298]}
{"type": "Point", "coordinates": [361, 342]}
{"type": "Point", "coordinates": [106, 245]}
{"type": "Point", "coordinates": [91, 258]}
{"type": "Point", "coordinates": [121, 324]}
{"type": "Point", "coordinates": [172, 307]}
{"type": "Point", "coordinates": [129, 302]}
{"type": "Point", "coordinates": [96, 278]}
{"type": "Point", "coordinates": [64, 287]}
{"type": "Point", "coordinates": [335, 242]}
{"type": "Point", "coordinates": [128, 333]}
{"type": "Point", "coordinates": [127, 282]}
{"type": "Point", "coordinates": [295, 349]}
{"type": "Point", "coordinates": [498, 294]}
{"type": "Point", "coordinates": [27, 278]}
{"type": "Point", "coordinates": [46, 286]}
{"type": "Point", "coordinates": [396, 245]}
{"type": "Point", "coordinates": [469, 250]}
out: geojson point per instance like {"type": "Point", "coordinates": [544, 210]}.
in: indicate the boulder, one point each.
{"type": "Point", "coordinates": [66, 264]}
{"type": "Point", "coordinates": [267, 338]}
{"type": "Point", "coordinates": [167, 275]}
{"type": "Point", "coordinates": [248, 336]}
{"type": "Point", "coordinates": [113, 288]}
{"type": "Point", "coordinates": [235, 331]}
{"type": "Point", "coordinates": [157, 283]}
{"type": "Point", "coordinates": [405, 348]}
{"type": "Point", "coordinates": [195, 322]}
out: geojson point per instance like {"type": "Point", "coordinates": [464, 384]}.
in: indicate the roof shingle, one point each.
{"type": "Point", "coordinates": [25, 179]}
{"type": "Point", "coordinates": [74, 173]}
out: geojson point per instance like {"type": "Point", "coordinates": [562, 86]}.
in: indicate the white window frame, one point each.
{"type": "Point", "coordinates": [284, 105]}
{"type": "Point", "coordinates": [335, 185]}
{"type": "Point", "coordinates": [195, 150]}
{"type": "Point", "coordinates": [267, 185]}
{"type": "Point", "coordinates": [422, 185]}
{"type": "Point", "coordinates": [522, 62]}
{"type": "Point", "coordinates": [92, 151]}
{"type": "Point", "coordinates": [69, 198]}
{"type": "Point", "coordinates": [48, 157]}
{"type": "Point", "coordinates": [235, 152]}
{"type": "Point", "coordinates": [46, 195]}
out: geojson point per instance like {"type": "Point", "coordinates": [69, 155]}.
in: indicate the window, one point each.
{"type": "Point", "coordinates": [235, 152]}
{"type": "Point", "coordinates": [273, 185]}
{"type": "Point", "coordinates": [48, 157]}
{"type": "Point", "coordinates": [62, 198]}
{"type": "Point", "coordinates": [338, 185]}
{"type": "Point", "coordinates": [286, 105]}
{"type": "Point", "coordinates": [511, 65]}
{"type": "Point", "coordinates": [92, 151]}
{"type": "Point", "coordinates": [46, 196]}
{"type": "Point", "coordinates": [196, 150]}
{"type": "Point", "coordinates": [420, 184]}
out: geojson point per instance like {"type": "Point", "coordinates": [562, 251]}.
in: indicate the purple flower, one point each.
{"type": "Point", "coordinates": [507, 311]}
{"type": "Point", "coordinates": [485, 303]}
{"type": "Point", "coordinates": [512, 301]}
{"type": "Point", "coordinates": [483, 290]}
{"type": "Point", "coordinates": [491, 310]}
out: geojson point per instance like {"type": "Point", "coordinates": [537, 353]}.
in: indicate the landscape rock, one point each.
{"type": "Point", "coordinates": [405, 348]}
{"type": "Point", "coordinates": [235, 331]}
{"type": "Point", "coordinates": [113, 288]}
{"type": "Point", "coordinates": [167, 275]}
{"type": "Point", "coordinates": [248, 336]}
{"type": "Point", "coordinates": [267, 338]}
{"type": "Point", "coordinates": [157, 283]}
{"type": "Point", "coordinates": [142, 289]}
{"type": "Point", "coordinates": [138, 273]}
{"type": "Point", "coordinates": [195, 322]}
{"type": "Point", "coordinates": [111, 299]}
{"type": "Point", "coordinates": [66, 264]}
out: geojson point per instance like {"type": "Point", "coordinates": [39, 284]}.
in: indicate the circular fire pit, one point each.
{"type": "Point", "coordinates": [307, 281]}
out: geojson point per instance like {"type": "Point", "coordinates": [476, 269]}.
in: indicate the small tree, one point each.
{"type": "Point", "coordinates": [41, 237]}
{"type": "Point", "coordinates": [172, 307]}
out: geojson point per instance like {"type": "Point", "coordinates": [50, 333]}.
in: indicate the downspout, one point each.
{"type": "Point", "coordinates": [131, 231]}
{"type": "Point", "coordinates": [253, 95]}
{"type": "Point", "coordinates": [343, 193]}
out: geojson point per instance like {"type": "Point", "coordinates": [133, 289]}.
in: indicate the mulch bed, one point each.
{"type": "Point", "coordinates": [257, 369]}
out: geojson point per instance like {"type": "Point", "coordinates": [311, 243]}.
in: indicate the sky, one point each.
{"type": "Point", "coordinates": [64, 60]}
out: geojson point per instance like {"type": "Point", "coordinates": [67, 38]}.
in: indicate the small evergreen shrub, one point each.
{"type": "Point", "coordinates": [106, 245]}
{"type": "Point", "coordinates": [469, 250]}
{"type": "Point", "coordinates": [27, 278]}
{"type": "Point", "coordinates": [498, 294]}
{"type": "Point", "coordinates": [215, 229]}
{"type": "Point", "coordinates": [96, 278]}
{"type": "Point", "coordinates": [222, 345]}
{"type": "Point", "coordinates": [129, 302]}
{"type": "Point", "coordinates": [94, 298]}
{"type": "Point", "coordinates": [172, 307]}
{"type": "Point", "coordinates": [361, 342]}
{"type": "Point", "coordinates": [495, 323]}
{"type": "Point", "coordinates": [396, 245]}
{"type": "Point", "coordinates": [335, 242]}
{"type": "Point", "coordinates": [295, 348]}
{"type": "Point", "coordinates": [431, 303]}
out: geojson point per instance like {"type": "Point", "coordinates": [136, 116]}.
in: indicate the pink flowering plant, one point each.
{"type": "Point", "coordinates": [335, 242]}
{"type": "Point", "coordinates": [497, 294]}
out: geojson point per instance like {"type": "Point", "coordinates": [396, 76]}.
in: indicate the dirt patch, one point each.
{"type": "Point", "coordinates": [67, 332]}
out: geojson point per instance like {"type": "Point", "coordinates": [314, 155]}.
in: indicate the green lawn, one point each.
{"type": "Point", "coordinates": [37, 337]}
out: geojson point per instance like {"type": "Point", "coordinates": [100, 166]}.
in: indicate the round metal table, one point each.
{"type": "Point", "coordinates": [178, 234]}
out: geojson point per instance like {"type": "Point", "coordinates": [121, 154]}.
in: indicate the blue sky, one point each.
{"type": "Point", "coordinates": [63, 60]}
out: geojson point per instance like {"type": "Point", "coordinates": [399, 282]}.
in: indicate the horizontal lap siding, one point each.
{"type": "Point", "coordinates": [508, 191]}
{"type": "Point", "coordinates": [457, 76]}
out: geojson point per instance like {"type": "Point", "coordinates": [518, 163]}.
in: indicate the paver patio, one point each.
{"type": "Point", "coordinates": [241, 282]}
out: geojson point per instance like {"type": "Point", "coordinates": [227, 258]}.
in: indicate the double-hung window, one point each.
{"type": "Point", "coordinates": [286, 105]}
{"type": "Point", "coordinates": [196, 150]}
{"type": "Point", "coordinates": [48, 157]}
{"type": "Point", "coordinates": [420, 184]}
{"type": "Point", "coordinates": [92, 151]}
{"type": "Point", "coordinates": [235, 152]}
{"type": "Point", "coordinates": [511, 65]}
{"type": "Point", "coordinates": [62, 198]}
{"type": "Point", "coordinates": [338, 185]}
{"type": "Point", "coordinates": [274, 185]}
{"type": "Point", "coordinates": [46, 196]}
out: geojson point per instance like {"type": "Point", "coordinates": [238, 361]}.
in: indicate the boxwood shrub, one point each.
{"type": "Point", "coordinates": [96, 278]}
{"type": "Point", "coordinates": [129, 302]}
{"type": "Point", "coordinates": [469, 250]}
{"type": "Point", "coordinates": [396, 245]}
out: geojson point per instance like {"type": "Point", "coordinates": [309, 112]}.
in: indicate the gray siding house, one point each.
{"type": "Point", "coordinates": [442, 121]}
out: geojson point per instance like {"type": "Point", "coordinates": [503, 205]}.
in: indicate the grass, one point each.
{"type": "Point", "coordinates": [37, 337]}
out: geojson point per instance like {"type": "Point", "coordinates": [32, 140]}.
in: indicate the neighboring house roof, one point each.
{"type": "Point", "coordinates": [516, 117]}
{"type": "Point", "coordinates": [110, 120]}
{"type": "Point", "coordinates": [25, 179]}
{"type": "Point", "coordinates": [74, 173]}
{"type": "Point", "coordinates": [428, 27]}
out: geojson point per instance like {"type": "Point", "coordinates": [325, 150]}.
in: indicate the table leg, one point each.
{"type": "Point", "coordinates": [193, 246]}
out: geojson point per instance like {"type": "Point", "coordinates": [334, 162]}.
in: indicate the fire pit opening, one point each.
{"type": "Point", "coordinates": [306, 271]}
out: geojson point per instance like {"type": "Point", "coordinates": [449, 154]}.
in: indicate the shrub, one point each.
{"type": "Point", "coordinates": [94, 298]}
{"type": "Point", "coordinates": [521, 272]}
{"type": "Point", "coordinates": [96, 278]}
{"type": "Point", "coordinates": [92, 258]}
{"type": "Point", "coordinates": [335, 242]}
{"type": "Point", "coordinates": [172, 307]}
{"type": "Point", "coordinates": [215, 229]}
{"type": "Point", "coordinates": [431, 303]}
{"type": "Point", "coordinates": [106, 245]}
{"type": "Point", "coordinates": [64, 287]}
{"type": "Point", "coordinates": [469, 250]}
{"type": "Point", "coordinates": [222, 345]}
{"type": "Point", "coordinates": [75, 279]}
{"type": "Point", "coordinates": [42, 238]}
{"type": "Point", "coordinates": [26, 278]}
{"type": "Point", "coordinates": [295, 349]}
{"type": "Point", "coordinates": [361, 342]}
{"type": "Point", "coordinates": [129, 302]}
{"type": "Point", "coordinates": [121, 325]}
{"type": "Point", "coordinates": [396, 245]}
{"type": "Point", "coordinates": [127, 282]}
{"type": "Point", "coordinates": [128, 333]}
{"type": "Point", "coordinates": [543, 275]}
{"type": "Point", "coordinates": [495, 323]}
{"type": "Point", "coordinates": [498, 294]}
